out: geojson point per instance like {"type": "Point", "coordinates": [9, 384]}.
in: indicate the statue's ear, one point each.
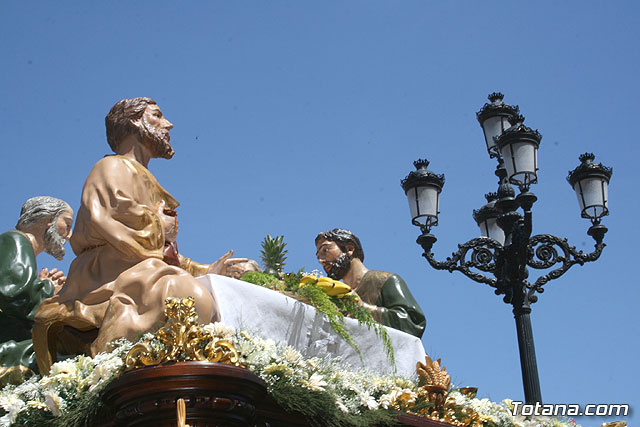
{"type": "Point", "coordinates": [350, 250]}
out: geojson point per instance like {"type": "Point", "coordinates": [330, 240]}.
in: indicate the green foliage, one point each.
{"type": "Point", "coordinates": [320, 409]}
{"type": "Point", "coordinates": [261, 279]}
{"type": "Point", "coordinates": [292, 280]}
{"type": "Point", "coordinates": [273, 254]}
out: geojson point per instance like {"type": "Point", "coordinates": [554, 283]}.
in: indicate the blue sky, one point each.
{"type": "Point", "coordinates": [296, 117]}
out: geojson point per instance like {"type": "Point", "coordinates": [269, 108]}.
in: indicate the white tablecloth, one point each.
{"type": "Point", "coordinates": [274, 315]}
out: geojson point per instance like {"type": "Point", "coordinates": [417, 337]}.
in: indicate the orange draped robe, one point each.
{"type": "Point", "coordinates": [118, 282]}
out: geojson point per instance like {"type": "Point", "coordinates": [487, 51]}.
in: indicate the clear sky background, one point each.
{"type": "Point", "coordinates": [294, 117]}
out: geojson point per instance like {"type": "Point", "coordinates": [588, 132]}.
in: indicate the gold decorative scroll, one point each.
{"type": "Point", "coordinates": [434, 380]}
{"type": "Point", "coordinates": [181, 339]}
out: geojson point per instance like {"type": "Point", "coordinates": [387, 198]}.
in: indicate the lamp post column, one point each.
{"type": "Point", "coordinates": [528, 364]}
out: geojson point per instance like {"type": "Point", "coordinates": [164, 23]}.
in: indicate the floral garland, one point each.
{"type": "Point", "coordinates": [323, 390]}
{"type": "Point", "coordinates": [68, 396]}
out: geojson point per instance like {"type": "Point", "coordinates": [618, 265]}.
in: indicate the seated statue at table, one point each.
{"type": "Point", "coordinates": [385, 294]}
{"type": "Point", "coordinates": [126, 264]}
{"type": "Point", "coordinates": [44, 225]}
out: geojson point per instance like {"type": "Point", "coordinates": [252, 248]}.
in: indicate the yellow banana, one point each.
{"type": "Point", "coordinates": [332, 287]}
{"type": "Point", "coordinates": [308, 279]}
{"type": "Point", "coordinates": [329, 286]}
{"type": "Point", "coordinates": [349, 294]}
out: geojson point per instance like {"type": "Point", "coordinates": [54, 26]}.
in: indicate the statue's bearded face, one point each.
{"type": "Point", "coordinates": [154, 130]}
{"type": "Point", "coordinates": [335, 262]}
{"type": "Point", "coordinates": [57, 234]}
{"type": "Point", "coordinates": [339, 267]}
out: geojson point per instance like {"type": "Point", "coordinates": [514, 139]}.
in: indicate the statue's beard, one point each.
{"type": "Point", "coordinates": [157, 140]}
{"type": "Point", "coordinates": [54, 242]}
{"type": "Point", "coordinates": [339, 267]}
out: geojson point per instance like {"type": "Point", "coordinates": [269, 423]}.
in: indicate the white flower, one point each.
{"type": "Point", "coordinates": [100, 373]}
{"type": "Point", "coordinates": [314, 272]}
{"type": "Point", "coordinates": [244, 348]}
{"type": "Point", "coordinates": [369, 402]}
{"type": "Point", "coordinates": [13, 405]}
{"type": "Point", "coordinates": [312, 363]}
{"type": "Point", "coordinates": [28, 390]}
{"type": "Point", "coordinates": [219, 330]}
{"type": "Point", "coordinates": [385, 400]}
{"type": "Point", "coordinates": [292, 356]}
{"type": "Point", "coordinates": [54, 402]}
{"type": "Point", "coordinates": [37, 405]}
{"type": "Point", "coordinates": [341, 406]}
{"type": "Point", "coordinates": [316, 382]}
{"type": "Point", "coordinates": [64, 367]}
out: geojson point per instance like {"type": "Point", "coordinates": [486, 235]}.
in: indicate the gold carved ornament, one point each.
{"type": "Point", "coordinates": [432, 402]}
{"type": "Point", "coordinates": [181, 339]}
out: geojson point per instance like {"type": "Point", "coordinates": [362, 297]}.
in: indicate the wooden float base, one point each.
{"type": "Point", "coordinates": [215, 395]}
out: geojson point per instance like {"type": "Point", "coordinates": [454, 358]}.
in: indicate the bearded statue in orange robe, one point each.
{"type": "Point", "coordinates": [123, 272]}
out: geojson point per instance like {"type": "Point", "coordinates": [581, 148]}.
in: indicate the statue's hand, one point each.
{"type": "Point", "coordinates": [56, 277]}
{"type": "Point", "coordinates": [170, 221]}
{"type": "Point", "coordinates": [225, 261]}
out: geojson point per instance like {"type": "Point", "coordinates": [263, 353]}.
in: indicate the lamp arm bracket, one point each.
{"type": "Point", "coordinates": [479, 253]}
{"type": "Point", "coordinates": [546, 250]}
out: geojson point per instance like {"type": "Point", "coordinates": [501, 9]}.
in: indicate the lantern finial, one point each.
{"type": "Point", "coordinates": [421, 164]}
{"type": "Point", "coordinates": [496, 97]}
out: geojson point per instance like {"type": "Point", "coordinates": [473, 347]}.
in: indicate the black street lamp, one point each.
{"type": "Point", "coordinates": [507, 247]}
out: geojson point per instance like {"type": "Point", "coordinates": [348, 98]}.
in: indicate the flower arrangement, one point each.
{"type": "Point", "coordinates": [323, 390]}
{"type": "Point", "coordinates": [68, 396]}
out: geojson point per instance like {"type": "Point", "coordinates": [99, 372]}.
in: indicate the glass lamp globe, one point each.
{"type": "Point", "coordinates": [486, 218]}
{"type": "Point", "coordinates": [518, 147]}
{"type": "Point", "coordinates": [590, 181]}
{"type": "Point", "coordinates": [495, 118]}
{"type": "Point", "coordinates": [422, 188]}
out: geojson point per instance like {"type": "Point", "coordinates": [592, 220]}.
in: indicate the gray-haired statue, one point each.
{"type": "Point", "coordinates": [44, 226]}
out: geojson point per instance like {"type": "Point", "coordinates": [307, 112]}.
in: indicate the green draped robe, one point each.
{"type": "Point", "coordinates": [394, 304]}
{"type": "Point", "coordinates": [21, 293]}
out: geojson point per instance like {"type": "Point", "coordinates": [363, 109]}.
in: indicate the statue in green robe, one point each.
{"type": "Point", "coordinates": [44, 225]}
{"type": "Point", "coordinates": [384, 294]}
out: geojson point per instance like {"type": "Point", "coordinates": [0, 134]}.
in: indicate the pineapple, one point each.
{"type": "Point", "coordinates": [273, 255]}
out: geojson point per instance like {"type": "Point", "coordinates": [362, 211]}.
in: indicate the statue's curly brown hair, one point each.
{"type": "Point", "coordinates": [342, 238]}
{"type": "Point", "coordinates": [119, 121]}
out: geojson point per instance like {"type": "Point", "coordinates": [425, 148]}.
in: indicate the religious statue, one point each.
{"type": "Point", "coordinates": [126, 261]}
{"type": "Point", "coordinates": [44, 225]}
{"type": "Point", "coordinates": [384, 294]}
